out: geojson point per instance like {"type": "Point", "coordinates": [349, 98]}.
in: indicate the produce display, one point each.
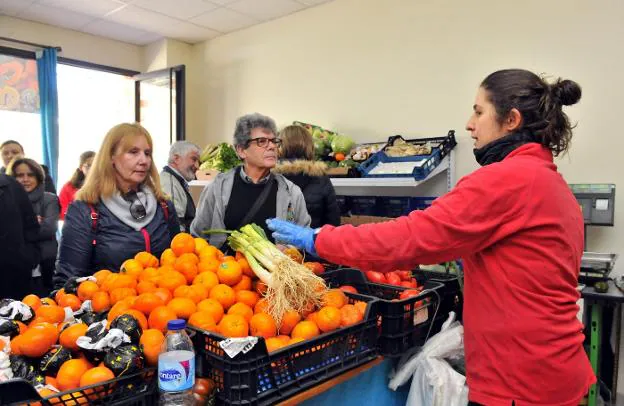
{"type": "Point", "coordinates": [221, 157]}
{"type": "Point", "coordinates": [402, 148]}
{"type": "Point", "coordinates": [111, 325]}
{"type": "Point", "coordinates": [333, 148]}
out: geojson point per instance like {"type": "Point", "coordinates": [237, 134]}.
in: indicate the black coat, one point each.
{"type": "Point", "coordinates": [317, 189]}
{"type": "Point", "coordinates": [115, 241]}
{"type": "Point", "coordinates": [19, 233]}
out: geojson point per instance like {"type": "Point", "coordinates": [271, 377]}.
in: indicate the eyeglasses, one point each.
{"type": "Point", "coordinates": [263, 142]}
{"type": "Point", "coordinates": [137, 209]}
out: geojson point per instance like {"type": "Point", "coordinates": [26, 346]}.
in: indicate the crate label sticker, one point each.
{"type": "Point", "coordinates": [421, 316]}
{"type": "Point", "coordinates": [234, 346]}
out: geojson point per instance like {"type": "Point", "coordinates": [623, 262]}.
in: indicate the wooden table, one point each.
{"type": "Point", "coordinates": [318, 389]}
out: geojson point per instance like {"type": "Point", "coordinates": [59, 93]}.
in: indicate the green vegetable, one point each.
{"type": "Point", "coordinates": [342, 143]}
{"type": "Point", "coordinates": [601, 287]}
{"type": "Point", "coordinates": [223, 157]}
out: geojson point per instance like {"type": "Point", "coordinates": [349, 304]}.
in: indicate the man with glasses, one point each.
{"type": "Point", "coordinates": [250, 193]}
{"type": "Point", "coordinates": [174, 179]}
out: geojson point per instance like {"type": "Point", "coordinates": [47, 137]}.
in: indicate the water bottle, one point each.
{"type": "Point", "coordinates": [176, 366]}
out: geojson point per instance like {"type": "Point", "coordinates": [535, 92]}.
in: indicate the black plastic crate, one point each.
{"type": "Point", "coordinates": [364, 205]}
{"type": "Point", "coordinates": [403, 323]}
{"type": "Point", "coordinates": [343, 205]}
{"type": "Point", "coordinates": [138, 389]}
{"type": "Point", "coordinates": [262, 378]}
{"type": "Point", "coordinates": [390, 206]}
{"type": "Point", "coordinates": [452, 298]}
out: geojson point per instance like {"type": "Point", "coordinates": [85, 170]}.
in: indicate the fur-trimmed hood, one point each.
{"type": "Point", "coordinates": [300, 166]}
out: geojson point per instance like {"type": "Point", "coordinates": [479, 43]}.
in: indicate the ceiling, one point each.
{"type": "Point", "coordinates": [141, 22]}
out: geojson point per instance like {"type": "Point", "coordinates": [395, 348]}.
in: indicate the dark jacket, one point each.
{"type": "Point", "coordinates": [46, 205]}
{"type": "Point", "coordinates": [317, 189]}
{"type": "Point", "coordinates": [19, 231]}
{"type": "Point", "coordinates": [115, 241]}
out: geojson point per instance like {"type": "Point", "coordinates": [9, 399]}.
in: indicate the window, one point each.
{"type": "Point", "coordinates": [19, 104]}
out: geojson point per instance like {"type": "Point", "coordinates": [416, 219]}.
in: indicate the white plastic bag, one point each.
{"type": "Point", "coordinates": [434, 382]}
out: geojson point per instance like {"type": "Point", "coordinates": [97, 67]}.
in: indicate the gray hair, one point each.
{"type": "Point", "coordinates": [181, 148]}
{"type": "Point", "coordinates": [246, 123]}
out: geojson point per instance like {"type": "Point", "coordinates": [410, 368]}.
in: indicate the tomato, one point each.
{"type": "Point", "coordinates": [393, 278]}
{"type": "Point", "coordinates": [200, 400]}
{"type": "Point", "coordinates": [348, 288]}
{"type": "Point", "coordinates": [405, 275]}
{"type": "Point", "coordinates": [376, 277]}
{"type": "Point", "coordinates": [409, 293]}
{"type": "Point", "coordinates": [339, 156]}
{"type": "Point", "coordinates": [409, 284]}
{"type": "Point", "coordinates": [315, 267]}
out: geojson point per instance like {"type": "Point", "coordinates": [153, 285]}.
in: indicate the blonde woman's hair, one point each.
{"type": "Point", "coordinates": [101, 181]}
{"type": "Point", "coordinates": [296, 143]}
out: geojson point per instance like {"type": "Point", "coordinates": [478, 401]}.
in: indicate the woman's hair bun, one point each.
{"type": "Point", "coordinates": [567, 92]}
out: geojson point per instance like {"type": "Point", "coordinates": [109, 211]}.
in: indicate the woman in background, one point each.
{"type": "Point", "coordinates": [46, 207]}
{"type": "Point", "coordinates": [68, 192]}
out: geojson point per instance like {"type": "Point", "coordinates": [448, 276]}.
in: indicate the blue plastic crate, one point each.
{"type": "Point", "coordinates": [364, 205]}
{"type": "Point", "coordinates": [423, 164]}
{"type": "Point", "coordinates": [394, 206]}
{"type": "Point", "coordinates": [420, 203]}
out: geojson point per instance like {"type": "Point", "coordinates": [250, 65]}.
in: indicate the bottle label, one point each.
{"type": "Point", "coordinates": [175, 375]}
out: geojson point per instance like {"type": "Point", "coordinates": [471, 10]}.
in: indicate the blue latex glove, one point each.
{"type": "Point", "coordinates": [293, 234]}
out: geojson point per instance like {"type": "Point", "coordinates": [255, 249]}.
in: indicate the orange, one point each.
{"type": "Point", "coordinates": [51, 381]}
{"type": "Point", "coordinates": [262, 325]}
{"type": "Point", "coordinates": [312, 317]}
{"type": "Point", "coordinates": [328, 319]}
{"type": "Point", "coordinates": [188, 269]}
{"type": "Point", "coordinates": [349, 315]}
{"type": "Point", "coordinates": [284, 338]}
{"type": "Point", "coordinates": [183, 243]}
{"type": "Point", "coordinates": [32, 300]}
{"type": "Point", "coordinates": [248, 297]}
{"type": "Point", "coordinates": [159, 317]}
{"type": "Point", "coordinates": [100, 301]}
{"type": "Point", "coordinates": [120, 293]}
{"type": "Point", "coordinates": [195, 293]}
{"type": "Point", "coordinates": [244, 264]}
{"type": "Point", "coordinates": [140, 317]}
{"type": "Point", "coordinates": [262, 306]}
{"type": "Point", "coordinates": [188, 257]}
{"type": "Point", "coordinates": [306, 330]}
{"type": "Point", "coordinates": [70, 300]}
{"type": "Point", "coordinates": [200, 244]}
{"type": "Point", "coordinates": [22, 327]}
{"type": "Point", "coordinates": [101, 276]}
{"type": "Point", "coordinates": [289, 321]}
{"type": "Point", "coordinates": [224, 295]}
{"type": "Point", "coordinates": [131, 267]}
{"type": "Point", "coordinates": [208, 279]}
{"type": "Point", "coordinates": [71, 371]}
{"type": "Point", "coordinates": [145, 287]}
{"type": "Point", "coordinates": [183, 307]}
{"type": "Point", "coordinates": [86, 290]}
{"type": "Point", "coordinates": [335, 298]}
{"type": "Point", "coordinates": [233, 325]}
{"type": "Point", "coordinates": [274, 344]}
{"type": "Point", "coordinates": [260, 287]}
{"type": "Point", "coordinates": [51, 314]}
{"type": "Point", "coordinates": [203, 320]}
{"type": "Point", "coordinates": [93, 376]}
{"type": "Point", "coordinates": [213, 307]}
{"type": "Point", "coordinates": [208, 265]}
{"type": "Point", "coordinates": [16, 344]}
{"type": "Point", "coordinates": [242, 309]}
{"type": "Point", "coordinates": [147, 302]}
{"type": "Point", "coordinates": [295, 340]}
{"type": "Point", "coordinates": [208, 252]}
{"type": "Point", "coordinates": [151, 353]}
{"type": "Point", "coordinates": [115, 281]}
{"type": "Point", "coordinates": [201, 291]}
{"type": "Point", "coordinates": [59, 294]}
{"type": "Point", "coordinates": [167, 257]}
{"type": "Point", "coordinates": [229, 273]}
{"type": "Point", "coordinates": [38, 340]}
{"type": "Point", "coordinates": [147, 260]}
{"type": "Point", "coordinates": [361, 307]}
{"type": "Point", "coordinates": [244, 284]}
{"type": "Point", "coordinates": [47, 301]}
{"type": "Point", "coordinates": [151, 341]}
{"type": "Point", "coordinates": [118, 309]}
{"type": "Point", "coordinates": [69, 336]}
{"type": "Point", "coordinates": [171, 280]}
{"type": "Point", "coordinates": [164, 294]}
{"type": "Point", "coordinates": [149, 275]}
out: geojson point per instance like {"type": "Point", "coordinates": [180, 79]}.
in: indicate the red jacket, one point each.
{"type": "Point", "coordinates": [519, 230]}
{"type": "Point", "coordinates": [68, 192]}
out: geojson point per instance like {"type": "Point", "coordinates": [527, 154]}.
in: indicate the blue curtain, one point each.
{"type": "Point", "coordinates": [46, 74]}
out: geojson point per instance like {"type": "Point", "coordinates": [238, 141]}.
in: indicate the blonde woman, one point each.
{"type": "Point", "coordinates": [119, 211]}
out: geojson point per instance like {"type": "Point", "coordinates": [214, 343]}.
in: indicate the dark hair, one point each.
{"type": "Point", "coordinates": [296, 143]}
{"type": "Point", "coordinates": [7, 142]}
{"type": "Point", "coordinates": [538, 102]}
{"type": "Point", "coordinates": [78, 177]}
{"type": "Point", "coordinates": [33, 165]}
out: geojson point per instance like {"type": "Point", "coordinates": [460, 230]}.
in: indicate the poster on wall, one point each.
{"type": "Point", "coordinates": [19, 89]}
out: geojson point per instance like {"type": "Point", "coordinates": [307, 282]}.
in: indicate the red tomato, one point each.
{"type": "Point", "coordinates": [409, 293]}
{"type": "Point", "coordinates": [315, 267]}
{"type": "Point", "coordinates": [410, 284]}
{"type": "Point", "coordinates": [348, 288]}
{"type": "Point", "coordinates": [405, 275]}
{"type": "Point", "coordinates": [376, 277]}
{"type": "Point", "coordinates": [393, 278]}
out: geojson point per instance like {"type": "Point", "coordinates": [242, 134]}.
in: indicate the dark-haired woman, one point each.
{"type": "Point", "coordinates": [68, 192]}
{"type": "Point", "coordinates": [519, 230]}
{"type": "Point", "coordinates": [46, 207]}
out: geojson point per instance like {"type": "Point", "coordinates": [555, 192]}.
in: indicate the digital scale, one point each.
{"type": "Point", "coordinates": [597, 203]}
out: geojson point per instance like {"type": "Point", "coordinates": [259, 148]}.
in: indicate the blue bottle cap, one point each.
{"type": "Point", "coordinates": [177, 324]}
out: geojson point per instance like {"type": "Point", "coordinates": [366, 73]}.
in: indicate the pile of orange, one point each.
{"type": "Point", "coordinates": [191, 280]}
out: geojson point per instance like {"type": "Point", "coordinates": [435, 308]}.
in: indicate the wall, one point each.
{"type": "Point", "coordinates": [372, 69]}
{"type": "Point", "coordinates": [76, 45]}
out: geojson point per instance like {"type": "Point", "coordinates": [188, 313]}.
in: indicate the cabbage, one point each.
{"type": "Point", "coordinates": [342, 143]}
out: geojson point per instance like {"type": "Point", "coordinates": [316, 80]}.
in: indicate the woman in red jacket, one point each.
{"type": "Point", "coordinates": [519, 230]}
{"type": "Point", "coordinates": [68, 192]}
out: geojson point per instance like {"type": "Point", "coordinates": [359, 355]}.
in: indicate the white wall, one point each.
{"type": "Point", "coordinates": [76, 45]}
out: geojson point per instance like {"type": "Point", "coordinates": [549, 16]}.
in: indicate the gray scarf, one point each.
{"type": "Point", "coordinates": [121, 208]}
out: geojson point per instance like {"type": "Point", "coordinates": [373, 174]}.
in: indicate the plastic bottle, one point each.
{"type": "Point", "coordinates": [176, 366]}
